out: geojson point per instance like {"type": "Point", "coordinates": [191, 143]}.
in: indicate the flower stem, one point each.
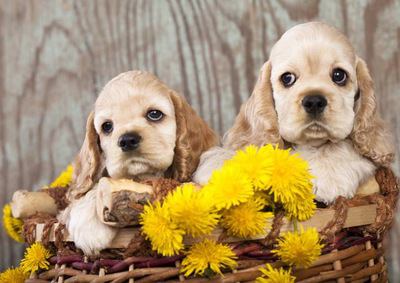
{"type": "Point", "coordinates": [294, 221]}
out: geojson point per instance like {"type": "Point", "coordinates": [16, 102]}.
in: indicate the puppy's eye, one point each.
{"type": "Point", "coordinates": [154, 115]}
{"type": "Point", "coordinates": [339, 76]}
{"type": "Point", "coordinates": [107, 127]}
{"type": "Point", "coordinates": [288, 79]}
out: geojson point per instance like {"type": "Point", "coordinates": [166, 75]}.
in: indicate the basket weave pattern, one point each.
{"type": "Point", "coordinates": [354, 254]}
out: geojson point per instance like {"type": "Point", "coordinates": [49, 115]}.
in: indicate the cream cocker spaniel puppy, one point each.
{"type": "Point", "coordinates": [139, 129]}
{"type": "Point", "coordinates": [316, 96]}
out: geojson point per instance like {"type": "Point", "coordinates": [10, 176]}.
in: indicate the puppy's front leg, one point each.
{"type": "Point", "coordinates": [338, 170]}
{"type": "Point", "coordinates": [87, 231]}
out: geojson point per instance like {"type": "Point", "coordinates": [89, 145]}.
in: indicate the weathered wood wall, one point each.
{"type": "Point", "coordinates": [55, 56]}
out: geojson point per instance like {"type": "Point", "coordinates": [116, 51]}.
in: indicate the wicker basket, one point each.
{"type": "Point", "coordinates": [353, 252]}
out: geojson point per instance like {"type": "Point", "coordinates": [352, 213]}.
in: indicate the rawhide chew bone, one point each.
{"type": "Point", "coordinates": [25, 204]}
{"type": "Point", "coordinates": [120, 202]}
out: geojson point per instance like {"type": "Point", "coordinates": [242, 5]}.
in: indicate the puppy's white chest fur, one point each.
{"type": "Point", "coordinates": [338, 169]}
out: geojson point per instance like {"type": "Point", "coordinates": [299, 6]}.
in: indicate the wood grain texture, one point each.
{"type": "Point", "coordinates": [55, 56]}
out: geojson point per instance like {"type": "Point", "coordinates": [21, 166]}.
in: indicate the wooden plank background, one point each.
{"type": "Point", "coordinates": [55, 56]}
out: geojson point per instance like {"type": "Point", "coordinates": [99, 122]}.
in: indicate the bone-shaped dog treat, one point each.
{"type": "Point", "coordinates": [25, 204]}
{"type": "Point", "coordinates": [120, 202]}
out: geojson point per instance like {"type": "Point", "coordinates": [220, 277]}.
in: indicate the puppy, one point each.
{"type": "Point", "coordinates": [316, 96]}
{"type": "Point", "coordinates": [139, 129]}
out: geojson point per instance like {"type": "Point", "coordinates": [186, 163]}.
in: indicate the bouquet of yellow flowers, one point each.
{"type": "Point", "coordinates": [240, 197]}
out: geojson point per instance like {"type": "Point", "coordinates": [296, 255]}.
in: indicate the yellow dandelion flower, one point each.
{"type": "Point", "coordinates": [272, 275]}
{"type": "Point", "coordinates": [64, 179]}
{"type": "Point", "coordinates": [265, 197]}
{"type": "Point", "coordinates": [246, 220]}
{"type": "Point", "coordinates": [35, 258]}
{"type": "Point", "coordinates": [254, 163]}
{"type": "Point", "coordinates": [299, 248]}
{"type": "Point", "coordinates": [13, 275]}
{"type": "Point", "coordinates": [228, 186]}
{"type": "Point", "coordinates": [301, 209]}
{"type": "Point", "coordinates": [192, 210]}
{"type": "Point", "coordinates": [290, 182]}
{"type": "Point", "coordinates": [290, 177]}
{"type": "Point", "coordinates": [165, 236]}
{"type": "Point", "coordinates": [12, 225]}
{"type": "Point", "coordinates": [208, 255]}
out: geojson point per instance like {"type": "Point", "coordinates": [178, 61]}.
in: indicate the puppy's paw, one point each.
{"type": "Point", "coordinates": [92, 238]}
{"type": "Point", "coordinates": [337, 168]}
{"type": "Point", "coordinates": [329, 187]}
{"type": "Point", "coordinates": [87, 231]}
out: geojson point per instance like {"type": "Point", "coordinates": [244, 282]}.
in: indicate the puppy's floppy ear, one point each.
{"type": "Point", "coordinates": [369, 135]}
{"type": "Point", "coordinates": [257, 121]}
{"type": "Point", "coordinates": [193, 137]}
{"type": "Point", "coordinates": [88, 165]}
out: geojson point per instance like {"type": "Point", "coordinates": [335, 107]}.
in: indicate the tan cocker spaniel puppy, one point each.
{"type": "Point", "coordinates": [139, 129]}
{"type": "Point", "coordinates": [316, 96]}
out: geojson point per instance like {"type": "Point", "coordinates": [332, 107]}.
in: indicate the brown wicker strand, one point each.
{"type": "Point", "coordinates": [310, 272]}
{"type": "Point", "coordinates": [383, 218]}
{"type": "Point", "coordinates": [248, 263]}
{"type": "Point", "coordinates": [337, 266]}
{"type": "Point", "coordinates": [54, 273]}
{"type": "Point", "coordinates": [360, 257]}
{"type": "Point", "coordinates": [47, 230]}
{"type": "Point", "coordinates": [242, 275]}
{"type": "Point", "coordinates": [109, 277]}
{"type": "Point", "coordinates": [178, 265]}
{"type": "Point", "coordinates": [371, 262]}
{"type": "Point", "coordinates": [29, 232]}
{"type": "Point", "coordinates": [368, 272]}
{"type": "Point", "coordinates": [381, 258]}
{"type": "Point", "coordinates": [29, 228]}
{"type": "Point", "coordinates": [34, 280]}
{"type": "Point", "coordinates": [389, 186]}
{"type": "Point", "coordinates": [340, 255]}
{"type": "Point", "coordinates": [363, 256]}
{"type": "Point", "coordinates": [159, 276]}
{"type": "Point", "coordinates": [131, 268]}
{"type": "Point", "coordinates": [336, 224]}
{"type": "Point", "coordinates": [275, 229]}
{"type": "Point", "coordinates": [59, 239]}
{"type": "Point", "coordinates": [388, 182]}
{"type": "Point", "coordinates": [334, 274]}
{"type": "Point", "coordinates": [61, 277]}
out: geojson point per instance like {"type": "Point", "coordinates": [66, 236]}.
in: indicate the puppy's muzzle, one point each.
{"type": "Point", "coordinates": [314, 104]}
{"type": "Point", "coordinates": [129, 141]}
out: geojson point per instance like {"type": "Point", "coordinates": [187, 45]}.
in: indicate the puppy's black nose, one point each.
{"type": "Point", "coordinates": [128, 142]}
{"type": "Point", "coordinates": [314, 104]}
